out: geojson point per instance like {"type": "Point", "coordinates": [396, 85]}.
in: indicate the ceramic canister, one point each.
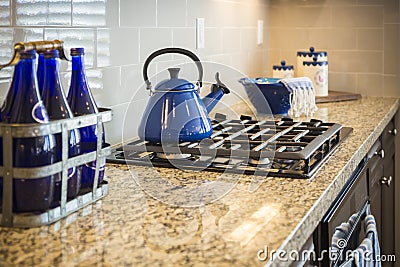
{"type": "Point", "coordinates": [283, 70]}
{"type": "Point", "coordinates": [317, 71]}
{"type": "Point", "coordinates": [308, 56]}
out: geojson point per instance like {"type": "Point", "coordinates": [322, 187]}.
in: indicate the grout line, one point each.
{"type": "Point", "coordinates": [119, 13]}
{"type": "Point", "coordinates": [156, 13]}
{"type": "Point", "coordinates": [95, 46]}
{"type": "Point", "coordinates": [10, 4]}
{"type": "Point", "coordinates": [72, 12]}
{"type": "Point", "coordinates": [13, 14]}
{"type": "Point", "coordinates": [139, 46]}
{"type": "Point", "coordinates": [186, 14]}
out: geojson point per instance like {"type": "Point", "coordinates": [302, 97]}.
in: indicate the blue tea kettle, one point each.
{"type": "Point", "coordinates": [175, 112]}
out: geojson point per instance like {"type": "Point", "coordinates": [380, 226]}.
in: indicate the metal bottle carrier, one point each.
{"type": "Point", "coordinates": [8, 132]}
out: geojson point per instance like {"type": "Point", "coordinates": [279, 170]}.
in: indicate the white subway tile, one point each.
{"type": "Point", "coordinates": [138, 13]}
{"type": "Point", "coordinates": [28, 34]}
{"type": "Point", "coordinates": [4, 86]}
{"type": "Point", "coordinates": [249, 39]}
{"type": "Point", "coordinates": [370, 39]}
{"type": "Point", "coordinates": [112, 13]}
{"type": "Point", "coordinates": [152, 39]}
{"type": "Point", "coordinates": [115, 128]}
{"type": "Point", "coordinates": [89, 13]}
{"type": "Point", "coordinates": [132, 82]}
{"type": "Point", "coordinates": [31, 13]}
{"type": "Point", "coordinates": [231, 40]}
{"type": "Point", "coordinates": [185, 38]}
{"type": "Point", "coordinates": [123, 46]}
{"type": "Point", "coordinates": [4, 12]}
{"type": "Point", "coordinates": [200, 9]}
{"type": "Point", "coordinates": [225, 14]}
{"type": "Point", "coordinates": [249, 13]}
{"type": "Point", "coordinates": [338, 38]}
{"type": "Point", "coordinates": [107, 89]}
{"type": "Point", "coordinates": [391, 11]}
{"type": "Point", "coordinates": [43, 12]}
{"type": "Point", "coordinates": [294, 15]}
{"type": "Point", "coordinates": [75, 37]}
{"type": "Point", "coordinates": [342, 82]}
{"type": "Point", "coordinates": [392, 86]}
{"type": "Point", "coordinates": [357, 16]}
{"type": "Point", "coordinates": [103, 47]}
{"type": "Point", "coordinates": [370, 84]}
{"type": "Point", "coordinates": [213, 41]}
{"type": "Point", "coordinates": [59, 12]}
{"type": "Point", "coordinates": [129, 116]}
{"type": "Point", "coordinates": [391, 49]}
{"type": "Point", "coordinates": [356, 61]}
{"type": "Point", "coordinates": [171, 13]}
{"type": "Point", "coordinates": [6, 50]}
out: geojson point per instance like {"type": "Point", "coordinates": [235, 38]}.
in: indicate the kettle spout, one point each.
{"type": "Point", "coordinates": [217, 91]}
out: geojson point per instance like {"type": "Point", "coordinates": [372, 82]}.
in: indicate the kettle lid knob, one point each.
{"type": "Point", "coordinates": [174, 72]}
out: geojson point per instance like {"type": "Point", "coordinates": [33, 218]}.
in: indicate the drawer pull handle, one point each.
{"type": "Point", "coordinates": [386, 181]}
{"type": "Point", "coordinates": [380, 153]}
{"type": "Point", "coordinates": [393, 132]}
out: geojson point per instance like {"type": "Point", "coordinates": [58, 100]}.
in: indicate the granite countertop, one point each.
{"type": "Point", "coordinates": [130, 228]}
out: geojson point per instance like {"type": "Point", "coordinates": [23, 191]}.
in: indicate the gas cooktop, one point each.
{"type": "Point", "coordinates": [279, 148]}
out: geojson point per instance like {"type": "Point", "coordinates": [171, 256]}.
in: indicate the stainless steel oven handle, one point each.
{"type": "Point", "coordinates": [386, 181]}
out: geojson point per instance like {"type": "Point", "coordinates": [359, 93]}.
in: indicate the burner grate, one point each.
{"type": "Point", "coordinates": [295, 149]}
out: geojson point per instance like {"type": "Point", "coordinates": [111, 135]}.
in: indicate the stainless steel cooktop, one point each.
{"type": "Point", "coordinates": [283, 148]}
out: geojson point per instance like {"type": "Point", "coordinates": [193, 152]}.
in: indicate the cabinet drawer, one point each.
{"type": "Point", "coordinates": [375, 173]}
{"type": "Point", "coordinates": [375, 156]}
{"type": "Point", "coordinates": [388, 135]}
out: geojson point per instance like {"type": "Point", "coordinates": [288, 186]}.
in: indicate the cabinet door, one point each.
{"type": "Point", "coordinates": [375, 175]}
{"type": "Point", "coordinates": [388, 139]}
{"type": "Point", "coordinates": [388, 211]}
{"type": "Point", "coordinates": [388, 192]}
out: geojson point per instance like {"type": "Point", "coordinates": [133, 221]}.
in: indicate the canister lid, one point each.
{"type": "Point", "coordinates": [283, 66]}
{"type": "Point", "coordinates": [315, 62]}
{"type": "Point", "coordinates": [312, 53]}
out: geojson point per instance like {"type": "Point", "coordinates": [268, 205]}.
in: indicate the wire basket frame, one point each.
{"type": "Point", "coordinates": [32, 219]}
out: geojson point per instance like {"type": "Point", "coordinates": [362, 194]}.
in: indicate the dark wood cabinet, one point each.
{"type": "Point", "coordinates": [376, 179]}
{"type": "Point", "coordinates": [382, 180]}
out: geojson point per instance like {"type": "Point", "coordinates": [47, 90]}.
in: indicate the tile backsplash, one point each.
{"type": "Point", "coordinates": [361, 37]}
{"type": "Point", "coordinates": [118, 36]}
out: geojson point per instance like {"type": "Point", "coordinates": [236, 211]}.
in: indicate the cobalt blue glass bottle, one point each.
{"type": "Point", "coordinates": [57, 107]}
{"type": "Point", "coordinates": [31, 194]}
{"type": "Point", "coordinates": [5, 114]}
{"type": "Point", "coordinates": [40, 73]}
{"type": "Point", "coordinates": [81, 101]}
{"type": "Point", "coordinates": [10, 97]}
{"type": "Point", "coordinates": [1, 164]}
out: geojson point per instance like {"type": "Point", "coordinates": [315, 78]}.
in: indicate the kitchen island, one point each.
{"type": "Point", "coordinates": [130, 228]}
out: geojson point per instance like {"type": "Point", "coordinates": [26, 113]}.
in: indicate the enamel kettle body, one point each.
{"type": "Point", "coordinates": [175, 112]}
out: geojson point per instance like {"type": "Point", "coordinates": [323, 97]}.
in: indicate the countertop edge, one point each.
{"type": "Point", "coordinates": [310, 221]}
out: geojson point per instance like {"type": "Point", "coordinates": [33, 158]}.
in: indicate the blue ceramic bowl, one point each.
{"type": "Point", "coordinates": [269, 91]}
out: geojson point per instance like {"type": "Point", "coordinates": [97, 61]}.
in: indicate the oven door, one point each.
{"type": "Point", "coordinates": [351, 200]}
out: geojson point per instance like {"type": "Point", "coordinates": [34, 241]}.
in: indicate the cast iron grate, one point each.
{"type": "Point", "coordinates": [282, 148]}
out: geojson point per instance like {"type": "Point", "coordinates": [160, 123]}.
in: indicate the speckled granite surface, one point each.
{"type": "Point", "coordinates": [130, 228]}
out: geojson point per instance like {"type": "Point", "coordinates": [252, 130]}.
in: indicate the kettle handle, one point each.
{"type": "Point", "coordinates": [169, 51]}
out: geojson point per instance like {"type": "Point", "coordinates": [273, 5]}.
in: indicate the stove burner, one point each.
{"type": "Point", "coordinates": [173, 156]}
{"type": "Point", "coordinates": [262, 161]}
{"type": "Point", "coordinates": [282, 148]}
